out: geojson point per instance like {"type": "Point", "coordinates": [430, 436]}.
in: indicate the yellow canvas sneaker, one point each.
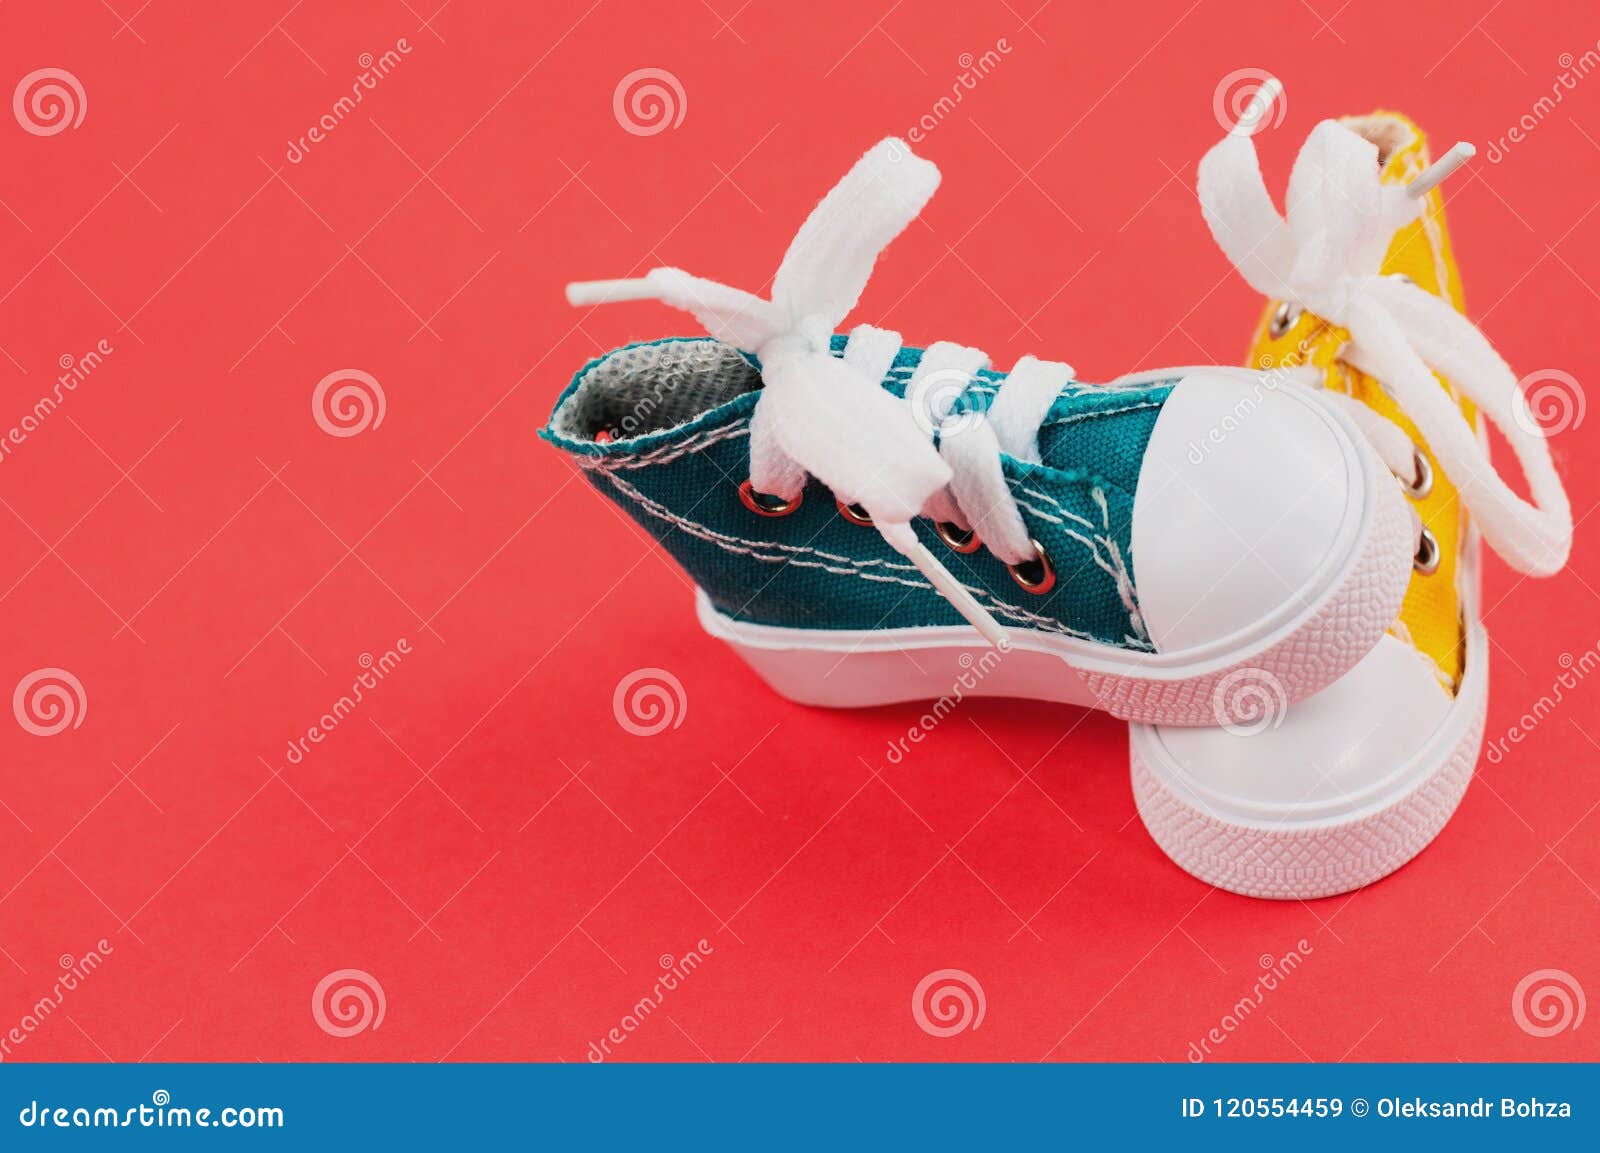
{"type": "Point", "coordinates": [1365, 305]}
{"type": "Point", "coordinates": [1420, 251]}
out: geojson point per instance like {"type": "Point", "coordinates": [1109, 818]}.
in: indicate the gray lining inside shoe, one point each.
{"type": "Point", "coordinates": [651, 387]}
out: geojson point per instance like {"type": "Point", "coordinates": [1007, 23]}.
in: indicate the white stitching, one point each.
{"type": "Point", "coordinates": [1115, 566]}
{"type": "Point", "coordinates": [660, 511]}
{"type": "Point", "coordinates": [1057, 505]}
{"type": "Point", "coordinates": [1092, 545]}
{"type": "Point", "coordinates": [750, 548]}
{"type": "Point", "coordinates": [1124, 579]}
{"type": "Point", "coordinates": [669, 452]}
{"type": "Point", "coordinates": [1073, 418]}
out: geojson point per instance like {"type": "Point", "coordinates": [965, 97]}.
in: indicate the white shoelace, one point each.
{"type": "Point", "coordinates": [1325, 257]}
{"type": "Point", "coordinates": [830, 418]}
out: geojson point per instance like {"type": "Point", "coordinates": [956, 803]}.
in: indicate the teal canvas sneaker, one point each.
{"type": "Point", "coordinates": [844, 502]}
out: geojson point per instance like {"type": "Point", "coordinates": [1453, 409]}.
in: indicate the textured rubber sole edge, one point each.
{"type": "Point", "coordinates": [1286, 861]}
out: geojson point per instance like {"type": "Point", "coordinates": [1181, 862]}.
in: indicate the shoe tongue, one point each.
{"type": "Point", "coordinates": [1402, 146]}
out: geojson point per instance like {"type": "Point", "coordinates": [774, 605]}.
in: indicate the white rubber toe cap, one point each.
{"type": "Point", "coordinates": [1250, 501]}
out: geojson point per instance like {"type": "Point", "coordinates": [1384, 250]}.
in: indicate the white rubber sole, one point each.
{"type": "Point", "coordinates": [1309, 645]}
{"type": "Point", "coordinates": [1283, 851]}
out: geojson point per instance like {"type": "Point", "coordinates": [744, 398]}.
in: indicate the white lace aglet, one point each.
{"type": "Point", "coordinates": [1433, 175]}
{"type": "Point", "coordinates": [905, 542]}
{"type": "Point", "coordinates": [581, 293]}
{"type": "Point", "coordinates": [1256, 109]}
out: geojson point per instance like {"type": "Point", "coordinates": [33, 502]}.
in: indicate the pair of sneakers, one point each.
{"type": "Point", "coordinates": [1270, 572]}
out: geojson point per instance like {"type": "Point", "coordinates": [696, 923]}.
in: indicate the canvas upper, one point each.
{"type": "Point", "coordinates": [674, 420]}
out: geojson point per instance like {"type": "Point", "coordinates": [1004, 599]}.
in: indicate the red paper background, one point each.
{"type": "Point", "coordinates": [481, 836]}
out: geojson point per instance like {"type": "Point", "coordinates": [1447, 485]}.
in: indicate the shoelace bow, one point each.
{"type": "Point", "coordinates": [823, 416]}
{"type": "Point", "coordinates": [1325, 257]}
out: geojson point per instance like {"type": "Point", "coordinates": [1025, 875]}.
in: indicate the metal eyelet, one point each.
{"type": "Point", "coordinates": [1427, 559]}
{"type": "Point", "coordinates": [1037, 576]}
{"type": "Point", "coordinates": [765, 504]}
{"type": "Point", "coordinates": [1284, 317]}
{"type": "Point", "coordinates": [1421, 483]}
{"type": "Point", "coordinates": [854, 513]}
{"type": "Point", "coordinates": [1401, 278]}
{"type": "Point", "coordinates": [957, 538]}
